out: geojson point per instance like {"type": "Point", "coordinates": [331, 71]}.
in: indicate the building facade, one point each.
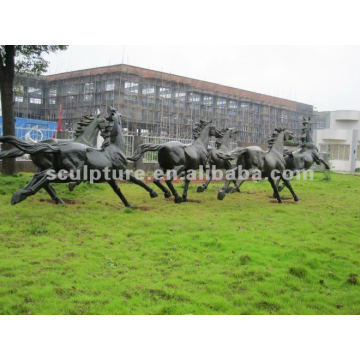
{"type": "Point", "coordinates": [155, 103]}
{"type": "Point", "coordinates": [340, 138]}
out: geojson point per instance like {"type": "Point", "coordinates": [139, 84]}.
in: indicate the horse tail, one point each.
{"type": "Point", "coordinates": [12, 153]}
{"type": "Point", "coordinates": [142, 149]}
{"type": "Point", "coordinates": [29, 148]}
{"type": "Point", "coordinates": [232, 154]}
{"type": "Point", "coordinates": [319, 160]}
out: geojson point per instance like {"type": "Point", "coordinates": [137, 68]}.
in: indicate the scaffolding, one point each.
{"type": "Point", "coordinates": [161, 105]}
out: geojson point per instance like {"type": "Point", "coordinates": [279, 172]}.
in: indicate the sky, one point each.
{"type": "Point", "coordinates": [327, 77]}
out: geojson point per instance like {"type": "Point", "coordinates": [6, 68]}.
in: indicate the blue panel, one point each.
{"type": "Point", "coordinates": [39, 129]}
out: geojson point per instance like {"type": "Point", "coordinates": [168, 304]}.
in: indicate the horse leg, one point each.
{"type": "Point", "coordinates": [327, 166]}
{"type": "Point", "coordinates": [288, 185]}
{"type": "Point", "coordinates": [170, 185]}
{"type": "Point", "coordinates": [162, 188]}
{"type": "Point", "coordinates": [51, 191]}
{"type": "Point", "coordinates": [73, 184]}
{"type": "Point", "coordinates": [277, 186]}
{"type": "Point", "coordinates": [118, 192]}
{"type": "Point", "coordinates": [223, 191]}
{"type": "Point", "coordinates": [237, 185]}
{"type": "Point", "coordinates": [205, 185]}
{"type": "Point", "coordinates": [166, 192]}
{"type": "Point", "coordinates": [37, 182]}
{"type": "Point", "coordinates": [186, 187]}
{"type": "Point", "coordinates": [275, 189]}
{"type": "Point", "coordinates": [136, 181]}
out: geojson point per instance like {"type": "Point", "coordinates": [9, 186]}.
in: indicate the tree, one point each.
{"type": "Point", "coordinates": [18, 59]}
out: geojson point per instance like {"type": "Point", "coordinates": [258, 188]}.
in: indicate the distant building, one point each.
{"type": "Point", "coordinates": [155, 103]}
{"type": "Point", "coordinates": [339, 137]}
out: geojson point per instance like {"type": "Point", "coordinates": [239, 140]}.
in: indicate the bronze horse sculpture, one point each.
{"type": "Point", "coordinates": [75, 156]}
{"type": "Point", "coordinates": [222, 144]}
{"type": "Point", "coordinates": [177, 159]}
{"type": "Point", "coordinates": [305, 157]}
{"type": "Point", "coordinates": [86, 132]}
{"type": "Point", "coordinates": [268, 163]}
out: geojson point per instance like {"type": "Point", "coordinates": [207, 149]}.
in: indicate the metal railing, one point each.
{"type": "Point", "coordinates": [129, 144]}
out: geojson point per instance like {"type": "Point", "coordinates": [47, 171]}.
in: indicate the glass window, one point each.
{"type": "Point", "coordinates": [194, 98]}
{"type": "Point", "coordinates": [233, 105]}
{"type": "Point", "coordinates": [148, 90]}
{"type": "Point", "coordinates": [221, 102]}
{"type": "Point", "coordinates": [180, 95]}
{"type": "Point", "coordinates": [34, 91]}
{"type": "Point", "coordinates": [208, 100]}
{"type": "Point", "coordinates": [53, 92]}
{"type": "Point", "coordinates": [132, 87]}
{"type": "Point", "coordinates": [336, 151]}
{"type": "Point", "coordinates": [110, 85]}
{"type": "Point", "coordinates": [244, 106]}
{"type": "Point", "coordinates": [52, 101]}
{"type": "Point", "coordinates": [89, 87]}
{"type": "Point", "coordinates": [19, 99]}
{"type": "Point", "coordinates": [35, 101]}
{"type": "Point", "coordinates": [165, 93]}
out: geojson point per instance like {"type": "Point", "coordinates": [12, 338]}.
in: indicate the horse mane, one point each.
{"type": "Point", "coordinates": [274, 136]}
{"type": "Point", "coordinates": [198, 127]}
{"type": "Point", "coordinates": [83, 123]}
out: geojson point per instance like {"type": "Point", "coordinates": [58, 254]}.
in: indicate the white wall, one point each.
{"type": "Point", "coordinates": [342, 125]}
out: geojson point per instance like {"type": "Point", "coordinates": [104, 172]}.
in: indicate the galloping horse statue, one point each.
{"type": "Point", "coordinates": [222, 144]}
{"type": "Point", "coordinates": [74, 156]}
{"type": "Point", "coordinates": [180, 158]}
{"type": "Point", "coordinates": [264, 161]}
{"type": "Point", "coordinates": [86, 133]}
{"type": "Point", "coordinates": [305, 157]}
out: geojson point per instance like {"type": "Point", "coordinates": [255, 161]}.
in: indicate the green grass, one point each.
{"type": "Point", "coordinates": [244, 255]}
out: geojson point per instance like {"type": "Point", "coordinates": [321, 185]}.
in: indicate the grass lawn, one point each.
{"type": "Point", "coordinates": [243, 255]}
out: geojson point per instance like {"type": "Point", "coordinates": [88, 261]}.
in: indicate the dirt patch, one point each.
{"type": "Point", "coordinates": [284, 201]}
{"type": "Point", "coordinates": [66, 201]}
{"type": "Point", "coordinates": [143, 208]}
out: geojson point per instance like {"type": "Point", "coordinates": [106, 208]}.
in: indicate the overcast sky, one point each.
{"type": "Point", "coordinates": [324, 76]}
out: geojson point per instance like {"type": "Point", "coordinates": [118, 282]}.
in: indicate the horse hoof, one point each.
{"type": "Point", "coordinates": [59, 201]}
{"type": "Point", "coordinates": [200, 189]}
{"type": "Point", "coordinates": [167, 195]}
{"type": "Point", "coordinates": [229, 190]}
{"type": "Point", "coordinates": [71, 186]}
{"type": "Point", "coordinates": [221, 195]}
{"type": "Point", "coordinates": [18, 197]}
{"type": "Point", "coordinates": [178, 200]}
{"type": "Point", "coordinates": [184, 200]}
{"type": "Point", "coordinates": [153, 194]}
{"type": "Point", "coordinates": [296, 198]}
